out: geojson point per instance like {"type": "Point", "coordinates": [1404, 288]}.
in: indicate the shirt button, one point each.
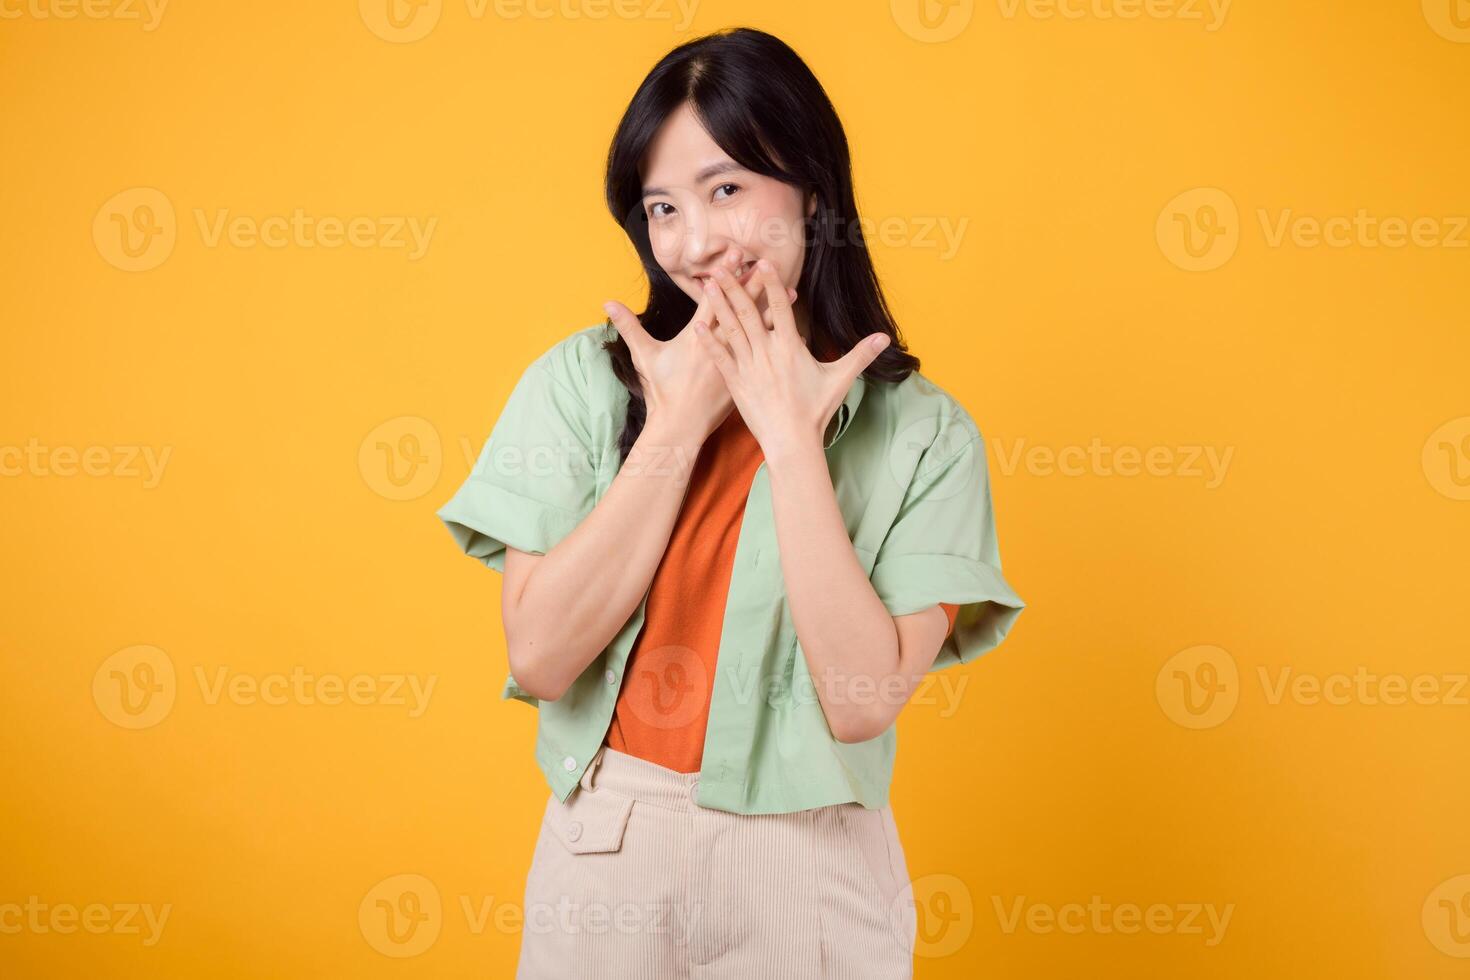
{"type": "Point", "coordinates": [569, 764]}
{"type": "Point", "coordinates": [611, 677]}
{"type": "Point", "coordinates": [574, 830]}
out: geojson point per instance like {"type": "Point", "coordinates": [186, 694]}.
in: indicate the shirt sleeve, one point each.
{"type": "Point", "coordinates": [535, 479]}
{"type": "Point", "coordinates": [942, 549]}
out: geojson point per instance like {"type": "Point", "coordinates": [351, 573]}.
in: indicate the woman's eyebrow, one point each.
{"type": "Point", "coordinates": [713, 170]}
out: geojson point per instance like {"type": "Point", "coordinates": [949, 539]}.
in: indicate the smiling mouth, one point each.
{"type": "Point", "coordinates": [744, 274]}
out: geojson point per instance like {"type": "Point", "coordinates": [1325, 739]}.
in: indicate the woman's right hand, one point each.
{"type": "Point", "coordinates": [682, 387]}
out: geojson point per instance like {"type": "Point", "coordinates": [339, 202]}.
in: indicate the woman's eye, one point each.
{"type": "Point", "coordinates": [654, 212]}
{"type": "Point", "coordinates": [733, 187]}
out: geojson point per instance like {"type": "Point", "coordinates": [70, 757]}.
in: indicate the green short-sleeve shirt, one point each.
{"type": "Point", "coordinates": [909, 471]}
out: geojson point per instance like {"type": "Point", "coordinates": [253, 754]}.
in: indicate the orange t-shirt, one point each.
{"type": "Point", "coordinates": [663, 705]}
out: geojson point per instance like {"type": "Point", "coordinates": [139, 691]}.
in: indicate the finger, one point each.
{"type": "Point", "coordinates": [717, 352]}
{"type": "Point", "coordinates": [716, 330]}
{"type": "Point", "coordinates": [778, 303]}
{"type": "Point", "coordinates": [745, 310]}
{"type": "Point", "coordinates": [758, 289]}
{"type": "Point", "coordinates": [766, 313]}
{"type": "Point", "coordinates": [856, 361]}
{"type": "Point", "coordinates": [628, 326]}
{"type": "Point", "coordinates": [731, 332]}
{"type": "Point", "coordinates": [704, 310]}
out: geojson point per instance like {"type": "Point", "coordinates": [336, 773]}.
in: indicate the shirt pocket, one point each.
{"type": "Point", "coordinates": [589, 822]}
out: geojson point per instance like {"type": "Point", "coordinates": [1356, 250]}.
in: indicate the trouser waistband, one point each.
{"type": "Point", "coordinates": [628, 775]}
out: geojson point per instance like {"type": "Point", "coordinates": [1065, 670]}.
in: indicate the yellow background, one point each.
{"type": "Point", "coordinates": [1075, 764]}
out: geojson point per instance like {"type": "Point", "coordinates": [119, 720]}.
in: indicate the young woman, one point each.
{"type": "Point", "coordinates": [737, 530]}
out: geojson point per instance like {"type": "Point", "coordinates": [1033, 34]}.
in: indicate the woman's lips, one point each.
{"type": "Point", "coordinates": [744, 280]}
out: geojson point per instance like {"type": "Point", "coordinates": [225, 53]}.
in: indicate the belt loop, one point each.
{"type": "Point", "coordinates": [586, 780]}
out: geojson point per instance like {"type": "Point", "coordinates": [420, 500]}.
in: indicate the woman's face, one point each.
{"type": "Point", "coordinates": [705, 210]}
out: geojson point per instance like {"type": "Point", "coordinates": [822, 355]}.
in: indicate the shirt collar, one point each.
{"type": "Point", "coordinates": [845, 412]}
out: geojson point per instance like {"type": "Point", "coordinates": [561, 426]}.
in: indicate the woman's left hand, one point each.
{"type": "Point", "coordinates": [785, 395]}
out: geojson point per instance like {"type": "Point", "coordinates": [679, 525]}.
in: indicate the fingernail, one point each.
{"type": "Point", "coordinates": [608, 307]}
{"type": "Point", "coordinates": [764, 265]}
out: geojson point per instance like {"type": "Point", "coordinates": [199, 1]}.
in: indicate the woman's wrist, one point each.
{"type": "Point", "coordinates": [665, 447]}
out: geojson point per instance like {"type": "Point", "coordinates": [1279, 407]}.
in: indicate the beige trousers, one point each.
{"type": "Point", "coordinates": [632, 878]}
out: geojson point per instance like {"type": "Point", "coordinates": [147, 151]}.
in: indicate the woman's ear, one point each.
{"type": "Point", "coordinates": [811, 204]}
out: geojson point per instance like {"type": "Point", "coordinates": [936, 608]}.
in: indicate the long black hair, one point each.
{"type": "Point", "coordinates": [763, 106]}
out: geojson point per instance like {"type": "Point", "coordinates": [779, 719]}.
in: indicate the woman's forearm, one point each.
{"type": "Point", "coordinates": [582, 592]}
{"type": "Point", "coordinates": [850, 640]}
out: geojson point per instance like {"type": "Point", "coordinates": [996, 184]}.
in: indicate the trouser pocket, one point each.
{"type": "Point", "coordinates": [868, 832]}
{"type": "Point", "coordinates": [590, 821]}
